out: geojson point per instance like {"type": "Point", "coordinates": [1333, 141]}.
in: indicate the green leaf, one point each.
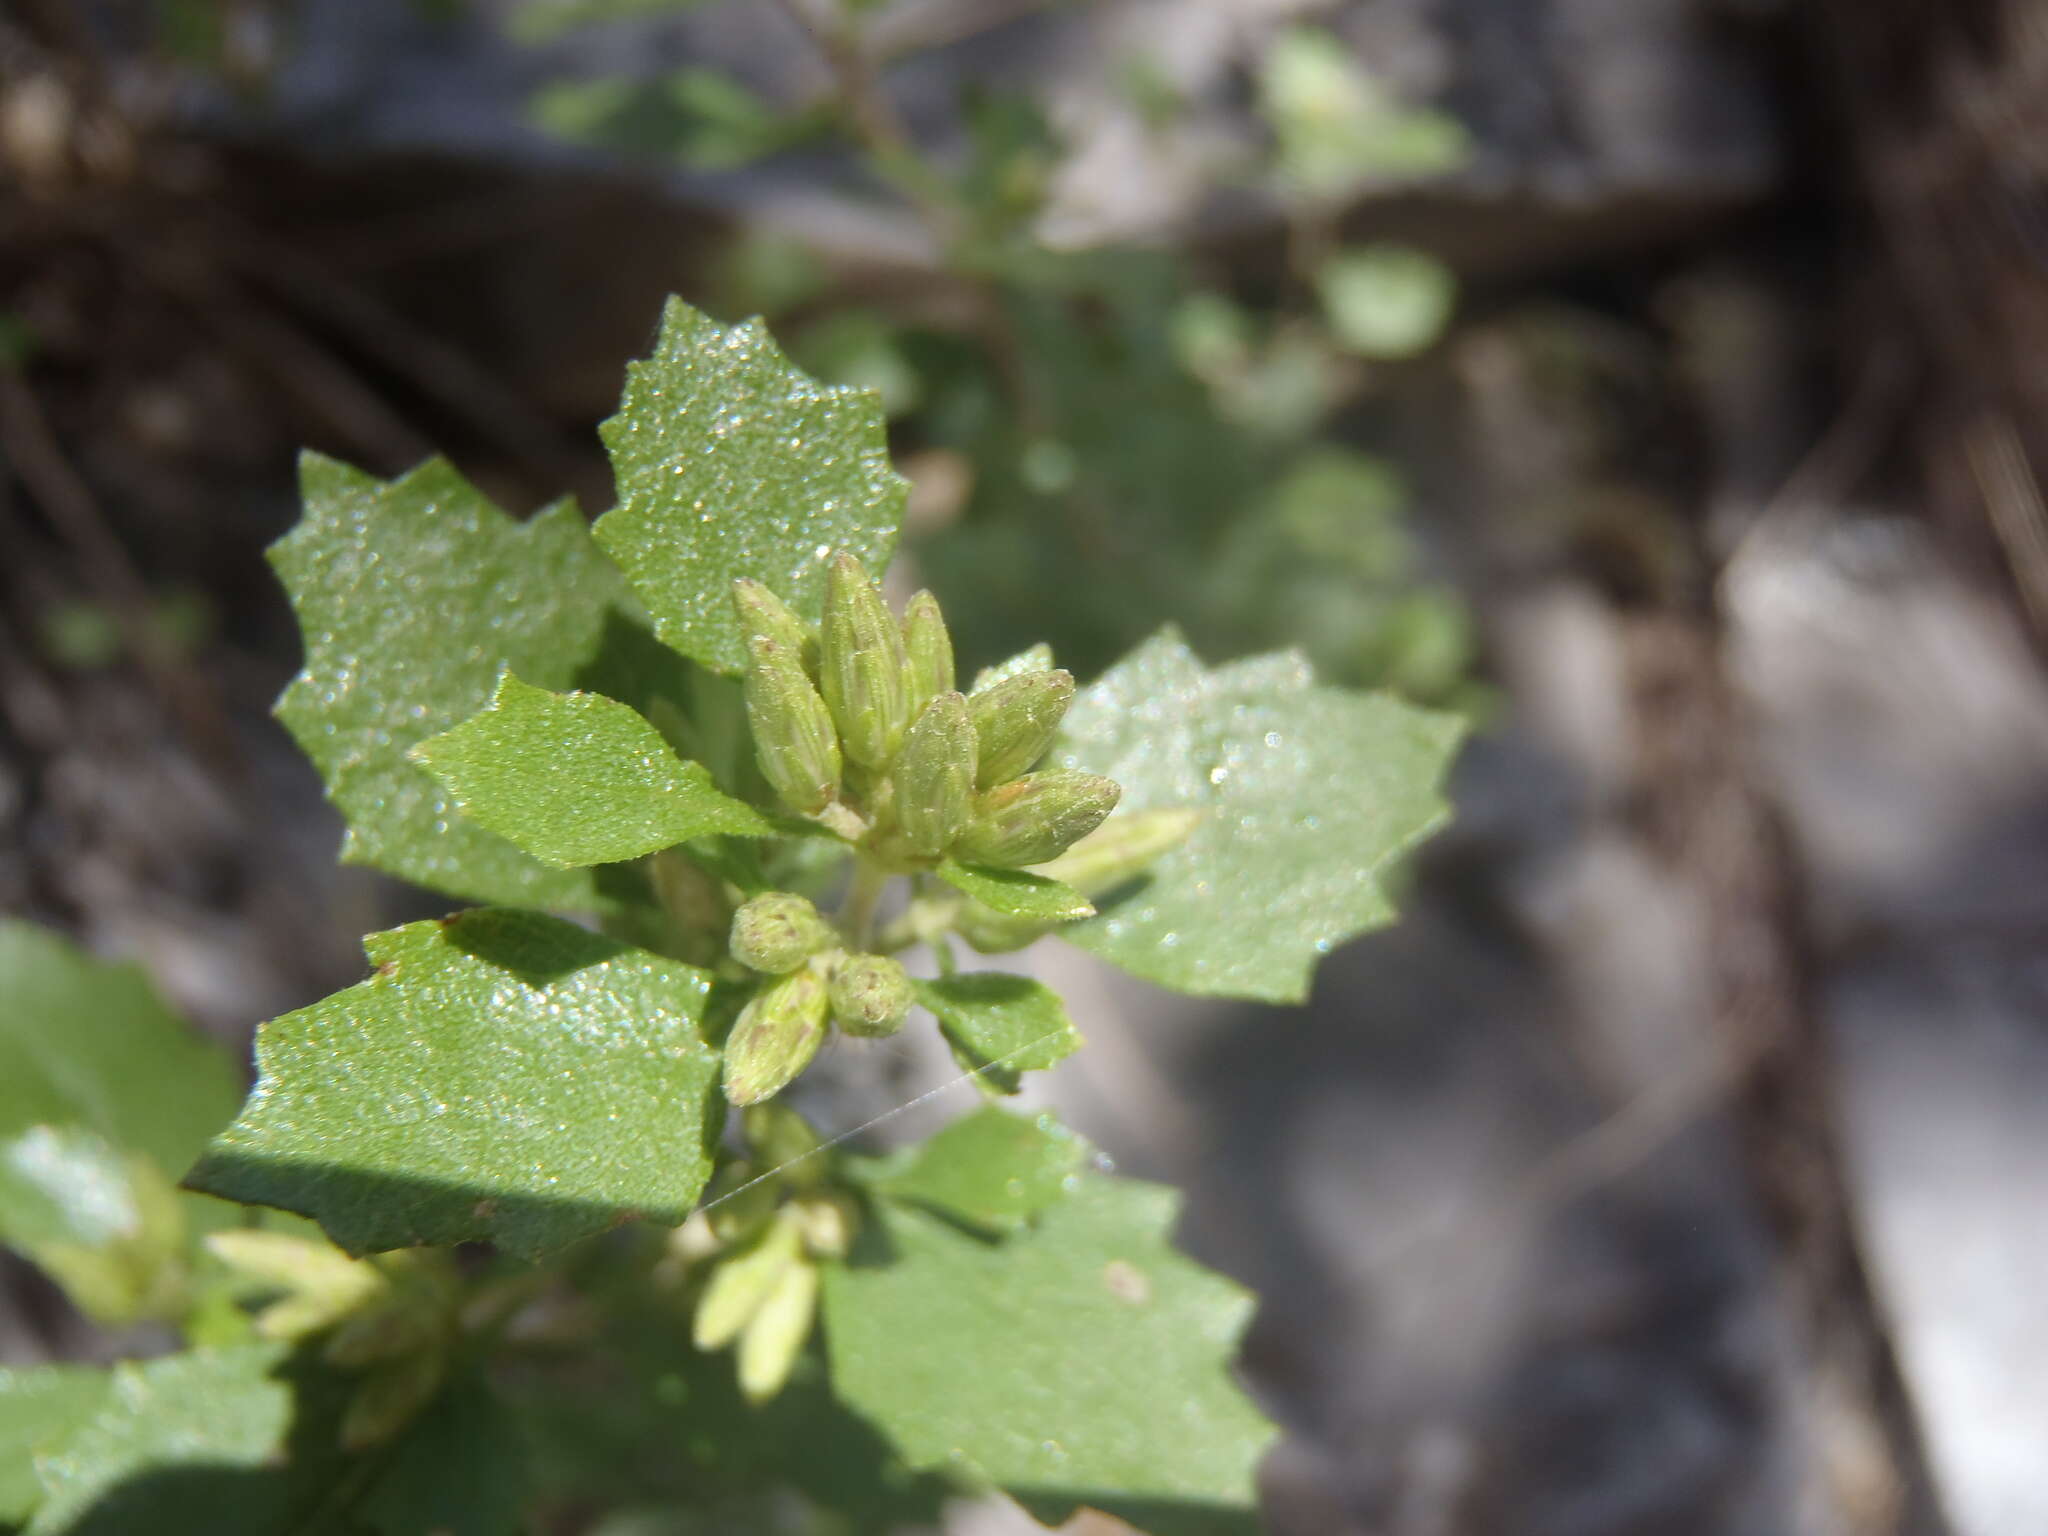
{"type": "Point", "coordinates": [991, 1169]}
{"type": "Point", "coordinates": [108, 1226]}
{"type": "Point", "coordinates": [1386, 300]}
{"type": "Point", "coordinates": [1082, 1362]}
{"type": "Point", "coordinates": [732, 462]}
{"type": "Point", "coordinates": [503, 1077]}
{"type": "Point", "coordinates": [1309, 794]}
{"type": "Point", "coordinates": [1017, 892]}
{"type": "Point", "coordinates": [179, 1445]}
{"type": "Point", "coordinates": [89, 1044]}
{"type": "Point", "coordinates": [1001, 1026]}
{"type": "Point", "coordinates": [460, 1470]}
{"type": "Point", "coordinates": [577, 778]}
{"type": "Point", "coordinates": [413, 596]}
{"type": "Point", "coordinates": [40, 1410]}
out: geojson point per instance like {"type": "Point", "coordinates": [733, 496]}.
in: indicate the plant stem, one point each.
{"type": "Point", "coordinates": [857, 919]}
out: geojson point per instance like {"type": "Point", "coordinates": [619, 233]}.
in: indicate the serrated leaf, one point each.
{"type": "Point", "coordinates": [89, 1044]}
{"type": "Point", "coordinates": [503, 1077]}
{"type": "Point", "coordinates": [1017, 892]}
{"type": "Point", "coordinates": [732, 462]}
{"type": "Point", "coordinates": [1001, 1026]}
{"type": "Point", "coordinates": [178, 1445]}
{"type": "Point", "coordinates": [1308, 794]}
{"type": "Point", "coordinates": [1082, 1362]}
{"type": "Point", "coordinates": [413, 595]}
{"type": "Point", "coordinates": [577, 779]}
{"type": "Point", "coordinates": [40, 1410]}
{"type": "Point", "coordinates": [991, 1169]}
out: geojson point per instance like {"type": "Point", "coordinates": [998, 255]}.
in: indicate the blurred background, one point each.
{"type": "Point", "coordinates": [1660, 383]}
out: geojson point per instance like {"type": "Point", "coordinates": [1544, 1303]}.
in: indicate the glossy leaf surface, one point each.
{"type": "Point", "coordinates": [504, 1077]}
{"type": "Point", "coordinates": [731, 462]}
{"type": "Point", "coordinates": [1307, 793]}
{"type": "Point", "coordinates": [1001, 1026]}
{"type": "Point", "coordinates": [1081, 1363]}
{"type": "Point", "coordinates": [577, 779]}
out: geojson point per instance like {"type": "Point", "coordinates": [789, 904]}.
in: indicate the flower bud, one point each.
{"type": "Point", "coordinates": [775, 1335]}
{"type": "Point", "coordinates": [775, 1037]}
{"type": "Point", "coordinates": [929, 650]}
{"type": "Point", "coordinates": [861, 665]}
{"type": "Point", "coordinates": [741, 1282]}
{"type": "Point", "coordinates": [778, 931]}
{"type": "Point", "coordinates": [793, 737]}
{"type": "Point", "coordinates": [935, 775]}
{"type": "Point", "coordinates": [1035, 818]}
{"type": "Point", "coordinates": [761, 612]}
{"type": "Point", "coordinates": [871, 996]}
{"type": "Point", "coordinates": [1121, 849]}
{"type": "Point", "coordinates": [1015, 720]}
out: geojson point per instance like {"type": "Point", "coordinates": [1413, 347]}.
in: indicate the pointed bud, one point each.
{"type": "Point", "coordinates": [861, 665]}
{"type": "Point", "coordinates": [777, 1332]}
{"type": "Point", "coordinates": [778, 931]}
{"type": "Point", "coordinates": [929, 650]}
{"type": "Point", "coordinates": [1121, 849]}
{"type": "Point", "coordinates": [775, 1037]}
{"type": "Point", "coordinates": [1035, 818]}
{"type": "Point", "coordinates": [935, 776]}
{"type": "Point", "coordinates": [761, 612]}
{"type": "Point", "coordinates": [741, 1283]}
{"type": "Point", "coordinates": [871, 996]}
{"type": "Point", "coordinates": [1015, 721]}
{"type": "Point", "coordinates": [793, 737]}
{"type": "Point", "coordinates": [1037, 659]}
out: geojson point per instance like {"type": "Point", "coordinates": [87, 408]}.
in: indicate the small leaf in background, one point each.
{"type": "Point", "coordinates": [179, 1446]}
{"type": "Point", "coordinates": [40, 1410]}
{"type": "Point", "coordinates": [991, 1169]}
{"type": "Point", "coordinates": [90, 1044]}
{"type": "Point", "coordinates": [1017, 892]}
{"type": "Point", "coordinates": [1082, 1362]}
{"type": "Point", "coordinates": [413, 595]}
{"type": "Point", "coordinates": [732, 462]}
{"type": "Point", "coordinates": [1308, 794]}
{"type": "Point", "coordinates": [1337, 128]}
{"type": "Point", "coordinates": [577, 778]}
{"type": "Point", "coordinates": [107, 1226]}
{"type": "Point", "coordinates": [1001, 1026]}
{"type": "Point", "coordinates": [504, 1077]}
{"type": "Point", "coordinates": [1386, 301]}
{"type": "Point", "coordinates": [105, 1098]}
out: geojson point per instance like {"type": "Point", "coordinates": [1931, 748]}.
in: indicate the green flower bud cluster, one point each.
{"type": "Point", "coordinates": [862, 728]}
{"type": "Point", "coordinates": [393, 1318]}
{"type": "Point", "coordinates": [814, 982]}
{"type": "Point", "coordinates": [764, 1241]}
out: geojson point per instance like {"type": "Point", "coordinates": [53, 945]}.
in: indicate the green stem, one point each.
{"type": "Point", "coordinates": [857, 919]}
